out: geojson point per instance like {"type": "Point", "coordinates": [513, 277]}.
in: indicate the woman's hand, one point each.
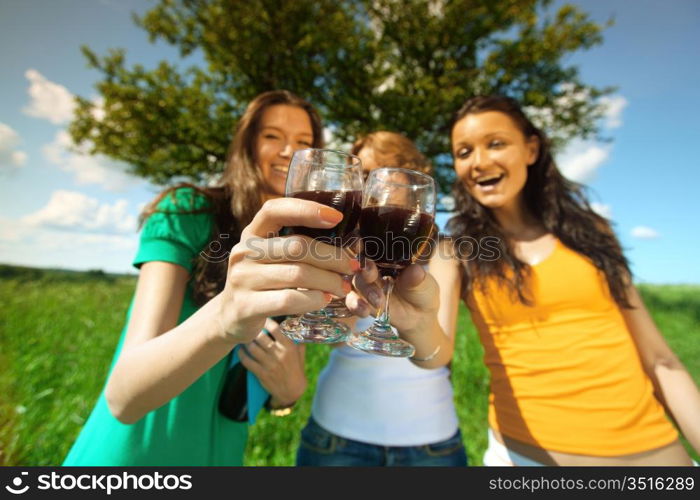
{"type": "Point", "coordinates": [278, 363]}
{"type": "Point", "coordinates": [422, 312]}
{"type": "Point", "coordinates": [413, 304]}
{"type": "Point", "coordinates": [269, 275]}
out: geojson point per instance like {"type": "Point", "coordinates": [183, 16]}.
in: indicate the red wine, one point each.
{"type": "Point", "coordinates": [347, 202]}
{"type": "Point", "coordinates": [393, 237]}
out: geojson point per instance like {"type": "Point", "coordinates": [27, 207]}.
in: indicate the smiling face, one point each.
{"type": "Point", "coordinates": [283, 129]}
{"type": "Point", "coordinates": [491, 156]}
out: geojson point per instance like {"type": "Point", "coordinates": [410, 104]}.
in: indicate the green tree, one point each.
{"type": "Point", "coordinates": [403, 65]}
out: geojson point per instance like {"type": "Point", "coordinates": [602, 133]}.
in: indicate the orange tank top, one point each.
{"type": "Point", "coordinates": [565, 374]}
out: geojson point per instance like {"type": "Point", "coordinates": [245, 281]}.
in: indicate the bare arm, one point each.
{"type": "Point", "coordinates": [160, 359]}
{"type": "Point", "coordinates": [673, 384]}
{"type": "Point", "coordinates": [445, 269]}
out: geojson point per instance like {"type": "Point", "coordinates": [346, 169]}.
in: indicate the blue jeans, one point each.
{"type": "Point", "coordinates": [320, 448]}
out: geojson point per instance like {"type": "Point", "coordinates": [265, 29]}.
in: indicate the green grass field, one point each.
{"type": "Point", "coordinates": [58, 331]}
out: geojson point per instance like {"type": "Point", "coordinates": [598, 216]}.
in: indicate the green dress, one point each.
{"type": "Point", "coordinates": [188, 430]}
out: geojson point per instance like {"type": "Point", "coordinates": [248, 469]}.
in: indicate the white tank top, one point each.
{"type": "Point", "coordinates": [383, 401]}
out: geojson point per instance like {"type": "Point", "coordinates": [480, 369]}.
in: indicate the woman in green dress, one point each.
{"type": "Point", "coordinates": [199, 294]}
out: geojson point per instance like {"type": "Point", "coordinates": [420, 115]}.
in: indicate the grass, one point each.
{"type": "Point", "coordinates": [57, 336]}
{"type": "Point", "coordinates": [58, 331]}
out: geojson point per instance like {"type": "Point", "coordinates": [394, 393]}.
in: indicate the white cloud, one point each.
{"type": "Point", "coordinates": [11, 231]}
{"type": "Point", "coordinates": [87, 169]}
{"type": "Point", "coordinates": [602, 209]}
{"type": "Point", "coordinates": [19, 158]}
{"type": "Point", "coordinates": [26, 245]}
{"type": "Point", "coordinates": [70, 210]}
{"type": "Point", "coordinates": [49, 100]}
{"type": "Point", "coordinates": [98, 112]}
{"type": "Point", "coordinates": [644, 233]}
{"type": "Point", "coordinates": [19, 232]}
{"type": "Point", "coordinates": [10, 156]}
{"type": "Point", "coordinates": [581, 160]}
{"type": "Point", "coordinates": [116, 242]}
{"type": "Point", "coordinates": [613, 110]}
{"type": "Point", "coordinates": [572, 96]}
{"type": "Point", "coordinates": [56, 103]}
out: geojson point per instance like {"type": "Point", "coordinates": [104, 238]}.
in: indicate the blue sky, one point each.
{"type": "Point", "coordinates": [65, 209]}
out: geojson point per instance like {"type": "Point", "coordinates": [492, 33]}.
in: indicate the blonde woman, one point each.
{"type": "Point", "coordinates": [370, 410]}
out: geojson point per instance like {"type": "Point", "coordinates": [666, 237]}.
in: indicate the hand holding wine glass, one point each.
{"type": "Point", "coordinates": [267, 276]}
{"type": "Point", "coordinates": [397, 220]}
{"type": "Point", "coordinates": [332, 178]}
{"type": "Point", "coordinates": [414, 300]}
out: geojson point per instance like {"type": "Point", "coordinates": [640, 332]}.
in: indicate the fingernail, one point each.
{"type": "Point", "coordinates": [355, 265]}
{"type": "Point", "coordinates": [347, 287]}
{"type": "Point", "coordinates": [330, 216]}
{"type": "Point", "coordinates": [327, 296]}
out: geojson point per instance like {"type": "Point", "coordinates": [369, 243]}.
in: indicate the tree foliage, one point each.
{"type": "Point", "coordinates": [403, 65]}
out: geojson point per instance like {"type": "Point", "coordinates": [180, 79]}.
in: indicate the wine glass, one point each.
{"type": "Point", "coordinates": [333, 178]}
{"type": "Point", "coordinates": [396, 222]}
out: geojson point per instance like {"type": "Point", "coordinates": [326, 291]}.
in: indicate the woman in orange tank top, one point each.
{"type": "Point", "coordinates": [580, 375]}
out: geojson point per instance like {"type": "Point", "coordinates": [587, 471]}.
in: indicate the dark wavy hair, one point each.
{"type": "Point", "coordinates": [237, 197]}
{"type": "Point", "coordinates": [558, 203]}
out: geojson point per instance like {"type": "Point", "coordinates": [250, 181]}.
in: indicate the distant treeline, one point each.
{"type": "Point", "coordinates": [35, 273]}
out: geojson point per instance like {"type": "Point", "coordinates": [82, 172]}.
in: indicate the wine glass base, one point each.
{"type": "Point", "coordinates": [314, 329]}
{"type": "Point", "coordinates": [390, 347]}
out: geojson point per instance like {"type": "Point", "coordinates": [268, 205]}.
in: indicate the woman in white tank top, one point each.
{"type": "Point", "coordinates": [370, 410]}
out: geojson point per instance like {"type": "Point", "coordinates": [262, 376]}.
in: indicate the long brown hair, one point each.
{"type": "Point", "coordinates": [559, 204]}
{"type": "Point", "coordinates": [242, 172]}
{"type": "Point", "coordinates": [236, 198]}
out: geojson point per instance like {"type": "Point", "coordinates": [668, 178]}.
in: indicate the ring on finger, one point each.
{"type": "Point", "coordinates": [263, 345]}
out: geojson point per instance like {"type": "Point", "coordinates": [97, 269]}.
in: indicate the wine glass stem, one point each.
{"type": "Point", "coordinates": [382, 325]}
